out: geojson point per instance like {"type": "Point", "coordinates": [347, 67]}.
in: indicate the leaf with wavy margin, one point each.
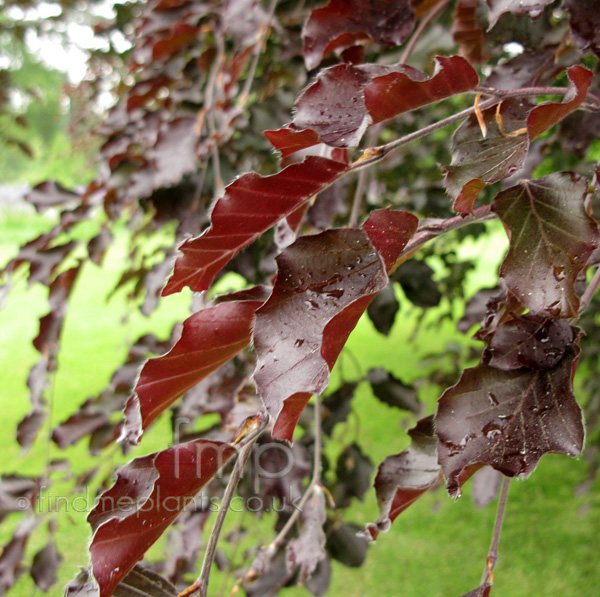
{"type": "Point", "coordinates": [324, 284]}
{"type": "Point", "coordinates": [343, 23]}
{"type": "Point", "coordinates": [531, 8]}
{"type": "Point", "coordinates": [508, 419]}
{"type": "Point", "coordinates": [210, 338]}
{"type": "Point", "coordinates": [147, 496]}
{"type": "Point", "coordinates": [478, 161]}
{"type": "Point", "coordinates": [251, 205]}
{"type": "Point", "coordinates": [551, 238]}
{"type": "Point", "coordinates": [345, 100]}
{"type": "Point", "coordinates": [403, 478]}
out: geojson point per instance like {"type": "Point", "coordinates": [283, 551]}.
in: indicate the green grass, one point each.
{"type": "Point", "coordinates": [436, 548]}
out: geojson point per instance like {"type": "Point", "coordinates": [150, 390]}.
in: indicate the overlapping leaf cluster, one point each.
{"type": "Point", "coordinates": [206, 84]}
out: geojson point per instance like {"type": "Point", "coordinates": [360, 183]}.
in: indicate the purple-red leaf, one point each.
{"type": "Point", "coordinates": [531, 341]}
{"type": "Point", "coordinates": [45, 566]}
{"type": "Point", "coordinates": [508, 419]}
{"type": "Point", "coordinates": [210, 338]}
{"type": "Point", "coordinates": [584, 19]}
{"type": "Point", "coordinates": [146, 498]}
{"type": "Point", "coordinates": [143, 582]}
{"type": "Point", "coordinates": [478, 160]}
{"type": "Point", "coordinates": [344, 23]}
{"type": "Point", "coordinates": [405, 477]}
{"type": "Point", "coordinates": [251, 205]}
{"type": "Point", "coordinates": [309, 548]}
{"type": "Point", "coordinates": [324, 284]}
{"type": "Point", "coordinates": [532, 8]}
{"type": "Point", "coordinates": [481, 591]}
{"type": "Point", "coordinates": [346, 99]}
{"type": "Point", "coordinates": [551, 239]}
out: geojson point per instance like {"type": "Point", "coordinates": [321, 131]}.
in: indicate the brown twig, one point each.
{"type": "Point", "coordinates": [201, 584]}
{"type": "Point", "coordinates": [419, 31]}
{"type": "Point", "coordinates": [488, 573]}
{"type": "Point", "coordinates": [589, 292]}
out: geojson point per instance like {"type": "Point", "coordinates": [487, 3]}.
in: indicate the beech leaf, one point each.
{"type": "Point", "coordinates": [478, 160]}
{"type": "Point", "coordinates": [143, 582]}
{"type": "Point", "coordinates": [405, 477]}
{"type": "Point", "coordinates": [508, 419]}
{"type": "Point", "coordinates": [532, 8]}
{"type": "Point", "coordinates": [324, 283]}
{"type": "Point", "coordinates": [551, 239]}
{"type": "Point", "coordinates": [584, 19]}
{"type": "Point", "coordinates": [346, 99]}
{"type": "Point", "coordinates": [343, 23]}
{"type": "Point", "coordinates": [210, 338]}
{"type": "Point", "coordinates": [45, 566]}
{"type": "Point", "coordinates": [251, 205]}
{"type": "Point", "coordinates": [147, 496]}
{"type": "Point", "coordinates": [309, 548]}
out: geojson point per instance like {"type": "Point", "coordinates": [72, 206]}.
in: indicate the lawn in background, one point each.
{"type": "Point", "coordinates": [550, 540]}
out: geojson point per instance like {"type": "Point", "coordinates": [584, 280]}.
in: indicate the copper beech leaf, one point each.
{"type": "Point", "coordinates": [343, 23]}
{"type": "Point", "coordinates": [532, 8]}
{"type": "Point", "coordinates": [551, 238]}
{"type": "Point", "coordinates": [251, 205]}
{"type": "Point", "coordinates": [345, 100]}
{"type": "Point", "coordinates": [210, 338]}
{"type": "Point", "coordinates": [508, 419]}
{"type": "Point", "coordinates": [308, 549]}
{"type": "Point", "coordinates": [324, 284]}
{"type": "Point", "coordinates": [478, 160]}
{"type": "Point", "coordinates": [147, 496]}
{"type": "Point", "coordinates": [584, 19]}
{"type": "Point", "coordinates": [403, 478]}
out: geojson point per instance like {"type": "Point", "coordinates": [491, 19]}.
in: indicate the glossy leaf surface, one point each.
{"type": "Point", "coordinates": [147, 496]}
{"type": "Point", "coordinates": [251, 205]}
{"type": "Point", "coordinates": [209, 339]}
{"type": "Point", "coordinates": [343, 23]}
{"type": "Point", "coordinates": [551, 239]}
{"type": "Point", "coordinates": [508, 419]}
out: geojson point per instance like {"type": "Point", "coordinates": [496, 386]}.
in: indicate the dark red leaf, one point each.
{"type": "Point", "coordinates": [551, 239]}
{"type": "Point", "coordinates": [147, 496]}
{"type": "Point", "coordinates": [542, 117]}
{"type": "Point", "coordinates": [479, 160]}
{"type": "Point", "coordinates": [392, 391]}
{"type": "Point", "coordinates": [508, 419]}
{"type": "Point", "coordinates": [179, 36]}
{"type": "Point", "coordinates": [324, 284]}
{"type": "Point", "coordinates": [17, 493]}
{"type": "Point", "coordinates": [523, 70]}
{"type": "Point", "coordinates": [383, 309]}
{"type": "Point", "coordinates": [45, 566]}
{"type": "Point", "coordinates": [467, 31]}
{"type": "Point", "coordinates": [209, 339]}
{"type": "Point", "coordinates": [336, 406]}
{"type": "Point", "coordinates": [532, 8]}
{"type": "Point", "coordinates": [584, 19]}
{"type": "Point", "coordinates": [531, 341]}
{"type": "Point", "coordinates": [346, 544]}
{"type": "Point", "coordinates": [344, 23]}
{"type": "Point", "coordinates": [405, 477]}
{"type": "Point", "coordinates": [13, 553]}
{"type": "Point", "coordinates": [308, 549]}
{"type": "Point", "coordinates": [252, 204]}
{"type": "Point", "coordinates": [288, 140]}
{"type": "Point", "coordinates": [405, 88]}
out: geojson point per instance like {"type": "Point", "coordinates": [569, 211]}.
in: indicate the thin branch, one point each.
{"type": "Point", "coordinates": [258, 48]}
{"type": "Point", "coordinates": [589, 292]}
{"type": "Point", "coordinates": [271, 549]}
{"type": "Point", "coordinates": [201, 584]}
{"type": "Point", "coordinates": [488, 574]}
{"type": "Point", "coordinates": [422, 25]}
{"type": "Point", "coordinates": [372, 155]}
{"type": "Point", "coordinates": [430, 228]}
